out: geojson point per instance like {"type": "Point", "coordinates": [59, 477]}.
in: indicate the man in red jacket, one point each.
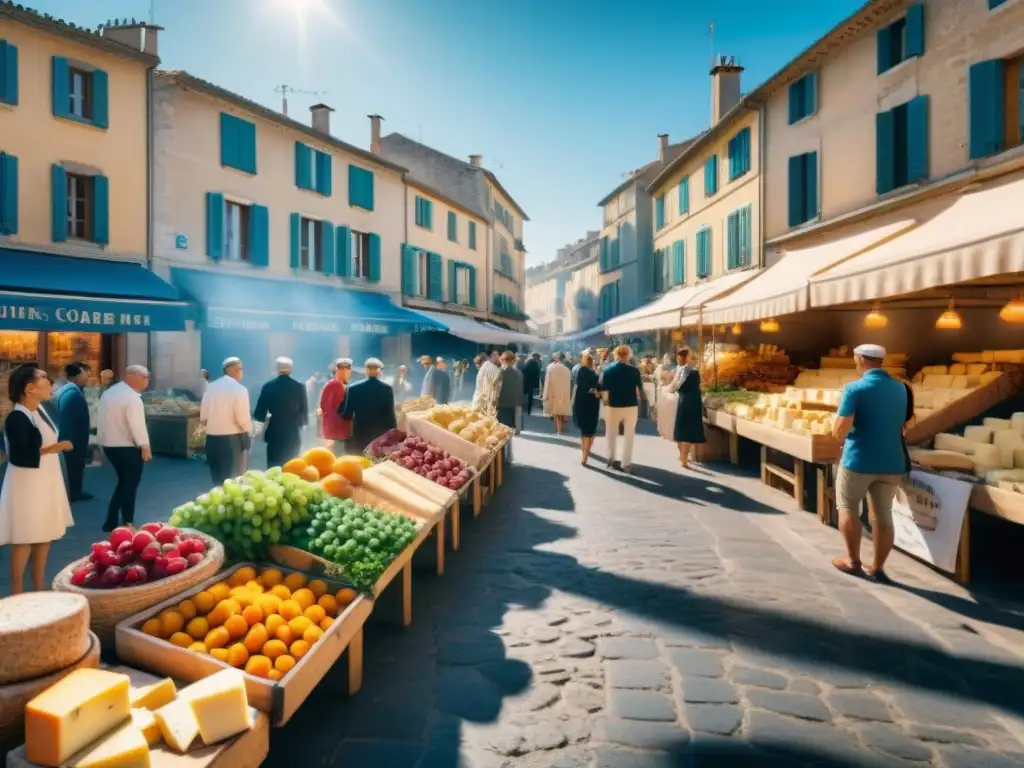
{"type": "Point", "coordinates": [334, 426]}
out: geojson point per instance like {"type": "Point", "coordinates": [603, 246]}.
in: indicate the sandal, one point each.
{"type": "Point", "coordinates": [847, 566]}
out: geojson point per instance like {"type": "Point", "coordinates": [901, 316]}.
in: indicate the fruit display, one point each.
{"type": "Point", "coordinates": [260, 622]}
{"type": "Point", "coordinates": [171, 403]}
{"type": "Point", "coordinates": [806, 412]}
{"type": "Point", "coordinates": [317, 463]}
{"type": "Point", "coordinates": [129, 557]}
{"type": "Point", "coordinates": [473, 426]}
{"type": "Point", "coordinates": [429, 461]}
{"type": "Point", "coordinates": [416, 404]}
{"type": "Point", "coordinates": [360, 539]}
{"type": "Point", "coordinates": [250, 512]}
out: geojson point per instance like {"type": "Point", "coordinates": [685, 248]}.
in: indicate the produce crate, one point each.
{"type": "Point", "coordinates": [279, 699]}
{"type": "Point", "coordinates": [171, 434]}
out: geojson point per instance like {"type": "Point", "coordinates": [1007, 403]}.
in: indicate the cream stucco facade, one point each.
{"type": "Point", "coordinates": [508, 275]}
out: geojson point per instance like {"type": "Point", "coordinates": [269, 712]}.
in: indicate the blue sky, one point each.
{"type": "Point", "coordinates": [561, 97]}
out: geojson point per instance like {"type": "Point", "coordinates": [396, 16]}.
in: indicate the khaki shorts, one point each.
{"type": "Point", "coordinates": [853, 487]}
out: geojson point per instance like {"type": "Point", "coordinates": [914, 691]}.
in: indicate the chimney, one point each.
{"type": "Point", "coordinates": [662, 146]}
{"type": "Point", "coordinates": [137, 35]}
{"type": "Point", "coordinates": [321, 118]}
{"type": "Point", "coordinates": [375, 121]}
{"type": "Point", "coordinates": [725, 87]}
{"type": "Point", "coordinates": [477, 160]}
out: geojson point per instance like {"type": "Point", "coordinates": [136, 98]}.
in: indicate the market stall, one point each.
{"type": "Point", "coordinates": [172, 421]}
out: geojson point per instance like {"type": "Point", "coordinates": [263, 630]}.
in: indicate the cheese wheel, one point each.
{"type": "Point", "coordinates": [988, 456]}
{"type": "Point", "coordinates": [969, 357]}
{"type": "Point", "coordinates": [979, 434]}
{"type": "Point", "coordinates": [41, 633]}
{"type": "Point", "coordinates": [947, 442]}
{"type": "Point", "coordinates": [959, 382]}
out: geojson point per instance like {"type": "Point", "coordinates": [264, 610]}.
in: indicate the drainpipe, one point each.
{"type": "Point", "coordinates": [762, 143]}
{"type": "Point", "coordinates": [150, 245]}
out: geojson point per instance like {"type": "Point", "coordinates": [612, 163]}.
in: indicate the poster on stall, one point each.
{"type": "Point", "coordinates": [928, 516]}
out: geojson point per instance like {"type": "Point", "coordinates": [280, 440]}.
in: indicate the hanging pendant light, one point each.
{"type": "Point", "coordinates": [721, 329]}
{"type": "Point", "coordinates": [1013, 312]}
{"type": "Point", "coordinates": [737, 330]}
{"type": "Point", "coordinates": [875, 318]}
{"type": "Point", "coordinates": [949, 320]}
{"type": "Point", "coordinates": [771, 325]}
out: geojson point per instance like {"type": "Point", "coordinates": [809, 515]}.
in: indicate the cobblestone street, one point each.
{"type": "Point", "coordinates": [664, 619]}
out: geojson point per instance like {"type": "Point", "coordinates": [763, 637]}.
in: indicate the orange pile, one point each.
{"type": "Point", "coordinates": [338, 475]}
{"type": "Point", "coordinates": [260, 623]}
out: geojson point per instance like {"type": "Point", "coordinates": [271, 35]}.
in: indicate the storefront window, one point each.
{"type": "Point", "coordinates": [66, 348]}
{"type": "Point", "coordinates": [16, 348]}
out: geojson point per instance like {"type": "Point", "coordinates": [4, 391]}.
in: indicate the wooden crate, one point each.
{"type": "Point", "coordinates": [279, 699]}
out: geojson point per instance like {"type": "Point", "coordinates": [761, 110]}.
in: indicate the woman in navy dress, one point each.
{"type": "Point", "coordinates": [586, 403]}
{"type": "Point", "coordinates": [689, 426]}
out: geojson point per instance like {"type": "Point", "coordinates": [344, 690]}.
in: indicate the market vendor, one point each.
{"type": "Point", "coordinates": [370, 404]}
{"type": "Point", "coordinates": [334, 427]}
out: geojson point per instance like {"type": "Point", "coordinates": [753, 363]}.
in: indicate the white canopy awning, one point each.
{"type": "Point", "coordinates": [979, 234]}
{"type": "Point", "coordinates": [514, 336]}
{"type": "Point", "coordinates": [569, 338]}
{"type": "Point", "coordinates": [469, 329]}
{"type": "Point", "coordinates": [782, 288]}
{"type": "Point", "coordinates": [667, 310]}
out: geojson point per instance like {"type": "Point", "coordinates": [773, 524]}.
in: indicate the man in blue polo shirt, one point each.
{"type": "Point", "coordinates": [870, 421]}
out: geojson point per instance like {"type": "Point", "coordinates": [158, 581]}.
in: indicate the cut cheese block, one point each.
{"type": "Point", "coordinates": [124, 748]}
{"type": "Point", "coordinates": [959, 382]}
{"type": "Point", "coordinates": [996, 476]}
{"type": "Point", "coordinates": [154, 696]}
{"type": "Point", "coordinates": [978, 434]}
{"type": "Point", "coordinates": [220, 705]}
{"type": "Point", "coordinates": [940, 370]}
{"type": "Point", "coordinates": [1007, 438]}
{"type": "Point", "coordinates": [69, 716]}
{"type": "Point", "coordinates": [988, 378]}
{"type": "Point", "coordinates": [957, 369]}
{"type": "Point", "coordinates": [947, 442]}
{"type": "Point", "coordinates": [41, 633]}
{"type": "Point", "coordinates": [937, 381]}
{"type": "Point", "coordinates": [178, 725]}
{"type": "Point", "coordinates": [941, 460]}
{"type": "Point", "coordinates": [997, 424]}
{"type": "Point", "coordinates": [970, 357]}
{"type": "Point", "coordinates": [987, 456]}
{"type": "Point", "coordinates": [976, 369]}
{"type": "Point", "coordinates": [923, 398]}
{"type": "Point", "coordinates": [145, 721]}
{"type": "Point", "coordinates": [1018, 458]}
{"type": "Point", "coordinates": [1017, 422]}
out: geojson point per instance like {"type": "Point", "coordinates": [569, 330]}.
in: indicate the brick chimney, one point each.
{"type": "Point", "coordinates": [477, 160]}
{"type": "Point", "coordinates": [321, 118]}
{"type": "Point", "coordinates": [137, 35]}
{"type": "Point", "coordinates": [725, 87]}
{"type": "Point", "coordinates": [375, 121]}
{"type": "Point", "coordinates": [662, 146]}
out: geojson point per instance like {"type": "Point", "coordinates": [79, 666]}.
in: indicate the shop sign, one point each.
{"type": "Point", "coordinates": [85, 314]}
{"type": "Point", "coordinates": [928, 516]}
{"type": "Point", "coordinates": [230, 320]}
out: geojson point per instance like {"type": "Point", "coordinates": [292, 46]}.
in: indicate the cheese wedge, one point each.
{"type": "Point", "coordinates": [73, 713]}
{"type": "Point", "coordinates": [178, 725]}
{"type": "Point", "coordinates": [145, 721]}
{"type": "Point", "coordinates": [154, 696]}
{"type": "Point", "coordinates": [124, 748]}
{"type": "Point", "coordinates": [220, 705]}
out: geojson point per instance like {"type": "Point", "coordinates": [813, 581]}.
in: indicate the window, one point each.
{"type": "Point", "coordinates": [8, 73]}
{"type": "Point", "coordinates": [659, 271]}
{"type": "Point", "coordinates": [472, 235]}
{"type": "Point", "coordinates": [453, 227]}
{"type": "Point", "coordinates": [902, 145]}
{"type": "Point", "coordinates": [502, 214]}
{"type": "Point", "coordinates": [739, 154]}
{"type": "Point", "coordinates": [803, 98]}
{"type": "Point", "coordinates": [80, 201]}
{"type": "Point", "coordinates": [703, 253]}
{"type": "Point", "coordinates": [659, 212]}
{"type": "Point", "coordinates": [711, 176]}
{"type": "Point", "coordinates": [239, 232]}
{"type": "Point", "coordinates": [360, 254]}
{"type": "Point", "coordinates": [424, 213]}
{"type": "Point", "coordinates": [360, 188]}
{"type": "Point", "coordinates": [237, 143]}
{"type": "Point", "coordinates": [803, 188]}
{"type": "Point", "coordinates": [8, 194]}
{"type": "Point", "coordinates": [422, 273]}
{"type": "Point", "coordinates": [684, 196]}
{"type": "Point", "coordinates": [236, 232]}
{"type": "Point", "coordinates": [901, 40]}
{"type": "Point", "coordinates": [312, 169]}
{"type": "Point", "coordinates": [678, 262]}
{"type": "Point", "coordinates": [738, 238]}
{"type": "Point", "coordinates": [80, 92]}
{"type": "Point", "coordinates": [311, 245]}
{"type": "Point", "coordinates": [996, 93]}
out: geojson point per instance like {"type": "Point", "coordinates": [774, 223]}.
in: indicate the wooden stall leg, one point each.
{"type": "Point", "coordinates": [456, 517]}
{"type": "Point", "coordinates": [764, 464]}
{"type": "Point", "coordinates": [477, 495]}
{"type": "Point", "coordinates": [501, 466]}
{"type": "Point", "coordinates": [440, 533]}
{"type": "Point", "coordinates": [407, 594]}
{"type": "Point", "coordinates": [821, 497]}
{"type": "Point", "coordinates": [492, 476]}
{"type": "Point", "coordinates": [734, 449]}
{"type": "Point", "coordinates": [355, 663]}
{"type": "Point", "coordinates": [963, 555]}
{"type": "Point", "coordinates": [798, 482]}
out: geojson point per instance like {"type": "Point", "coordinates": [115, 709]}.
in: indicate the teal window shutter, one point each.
{"type": "Point", "coordinates": [238, 143]}
{"type": "Point", "coordinates": [472, 286]}
{"type": "Point", "coordinates": [453, 282]}
{"type": "Point", "coordinates": [8, 73]}
{"type": "Point", "coordinates": [360, 187]}
{"type": "Point", "coordinates": [324, 174]}
{"type": "Point", "coordinates": [100, 99]}
{"type": "Point", "coordinates": [604, 253]}
{"type": "Point", "coordinates": [295, 241]}
{"type": "Point", "coordinates": [259, 236]}
{"type": "Point", "coordinates": [8, 194]}
{"type": "Point", "coordinates": [739, 154]}
{"type": "Point", "coordinates": [247, 131]}
{"type": "Point", "coordinates": [917, 139]}
{"type": "Point", "coordinates": [883, 41]}
{"type": "Point", "coordinates": [915, 30]}
{"type": "Point", "coordinates": [58, 204]}
{"type": "Point", "coordinates": [342, 251]}
{"type": "Point", "coordinates": [428, 210]}
{"type": "Point", "coordinates": [885, 146]}
{"type": "Point", "coordinates": [229, 154]}
{"type": "Point", "coordinates": [374, 268]}
{"type": "Point", "coordinates": [987, 108]}
{"type": "Point", "coordinates": [732, 239]}
{"type": "Point", "coordinates": [810, 93]}
{"type": "Point", "coordinates": [678, 275]}
{"type": "Point", "coordinates": [409, 257]}
{"type": "Point", "coordinates": [60, 86]}
{"type": "Point", "coordinates": [215, 225]}
{"type": "Point", "coordinates": [993, 4]}
{"type": "Point", "coordinates": [303, 166]}
{"type": "Point", "coordinates": [434, 277]}
{"type": "Point", "coordinates": [746, 235]}
{"type": "Point", "coordinates": [453, 227]}
{"type": "Point", "coordinates": [614, 256]}
{"type": "Point", "coordinates": [684, 195]}
{"type": "Point", "coordinates": [472, 235]}
{"type": "Point", "coordinates": [659, 212]}
{"type": "Point", "coordinates": [327, 247]}
{"type": "Point", "coordinates": [810, 196]}
{"type": "Point", "coordinates": [711, 176]}
{"type": "Point", "coordinates": [795, 101]}
{"type": "Point", "coordinates": [101, 209]}
{"type": "Point", "coordinates": [796, 191]}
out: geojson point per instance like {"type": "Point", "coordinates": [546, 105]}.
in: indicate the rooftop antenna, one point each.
{"type": "Point", "coordinates": [284, 90]}
{"type": "Point", "coordinates": [711, 32]}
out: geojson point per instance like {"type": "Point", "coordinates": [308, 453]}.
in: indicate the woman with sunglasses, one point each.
{"type": "Point", "coordinates": [34, 507]}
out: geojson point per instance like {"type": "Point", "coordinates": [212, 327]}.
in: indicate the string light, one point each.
{"type": "Point", "coordinates": [771, 325]}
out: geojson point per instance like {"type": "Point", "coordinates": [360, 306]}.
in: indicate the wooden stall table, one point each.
{"type": "Point", "coordinates": [727, 423]}
{"type": "Point", "coordinates": [997, 502]}
{"type": "Point", "coordinates": [403, 565]}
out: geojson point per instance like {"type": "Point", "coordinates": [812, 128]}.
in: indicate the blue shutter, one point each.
{"type": "Point", "coordinates": [472, 235]}
{"type": "Point", "coordinates": [659, 212]}
{"type": "Point", "coordinates": [228, 141]}
{"type": "Point", "coordinates": [684, 195]}
{"type": "Point", "coordinates": [368, 190]}
{"type": "Point", "coordinates": [810, 93]}
{"type": "Point", "coordinates": [453, 283]}
{"type": "Point", "coordinates": [58, 204]}
{"type": "Point", "coordinates": [100, 210]}
{"type": "Point", "coordinates": [472, 286]}
{"type": "Point", "coordinates": [60, 87]}
{"type": "Point", "coordinates": [917, 139]}
{"type": "Point", "coordinates": [409, 256]}
{"type": "Point", "coordinates": [885, 138]}
{"type": "Point", "coordinates": [100, 99]}
{"type": "Point", "coordinates": [678, 271]}
{"type": "Point", "coordinates": [295, 241]}
{"type": "Point", "coordinates": [453, 227]}
{"type": "Point", "coordinates": [732, 239]}
{"type": "Point", "coordinates": [915, 30]}
{"type": "Point", "coordinates": [324, 174]}
{"type": "Point", "coordinates": [810, 198]}
{"type": "Point", "coordinates": [303, 166]}
{"type": "Point", "coordinates": [215, 225]}
{"type": "Point", "coordinates": [360, 188]}
{"type": "Point", "coordinates": [434, 277]}
{"type": "Point", "coordinates": [342, 252]}
{"type": "Point", "coordinates": [428, 213]}
{"type": "Point", "coordinates": [8, 73]}
{"type": "Point", "coordinates": [795, 101]}
{"type": "Point", "coordinates": [374, 269]}
{"type": "Point", "coordinates": [259, 236]}
{"type": "Point", "coordinates": [604, 253]}
{"type": "Point", "coordinates": [327, 245]}
{"type": "Point", "coordinates": [247, 143]}
{"type": "Point", "coordinates": [987, 107]}
{"type": "Point", "coordinates": [883, 40]}
{"type": "Point", "coordinates": [8, 194]}
{"type": "Point", "coordinates": [797, 194]}
{"type": "Point", "coordinates": [711, 176]}
{"type": "Point", "coordinates": [746, 229]}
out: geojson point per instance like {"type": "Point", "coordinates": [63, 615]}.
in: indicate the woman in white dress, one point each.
{"type": "Point", "coordinates": [34, 508]}
{"type": "Point", "coordinates": [558, 392]}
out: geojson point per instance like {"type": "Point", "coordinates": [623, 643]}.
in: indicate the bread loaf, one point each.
{"type": "Point", "coordinates": [41, 633]}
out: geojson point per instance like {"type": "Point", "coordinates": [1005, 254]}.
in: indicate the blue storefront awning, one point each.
{"type": "Point", "coordinates": [234, 302]}
{"type": "Point", "coordinates": [44, 292]}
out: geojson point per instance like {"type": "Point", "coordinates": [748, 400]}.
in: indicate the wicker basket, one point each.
{"type": "Point", "coordinates": [109, 606]}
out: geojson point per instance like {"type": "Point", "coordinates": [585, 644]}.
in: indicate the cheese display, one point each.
{"type": "Point", "coordinates": [153, 696]}
{"type": "Point", "coordinates": [220, 705]}
{"type": "Point", "coordinates": [145, 721]}
{"type": "Point", "coordinates": [69, 716]}
{"type": "Point", "coordinates": [41, 633]}
{"type": "Point", "coordinates": [993, 451]}
{"type": "Point", "coordinates": [126, 747]}
{"type": "Point", "coordinates": [942, 460]}
{"type": "Point", "coordinates": [808, 412]}
{"type": "Point", "coordinates": [178, 724]}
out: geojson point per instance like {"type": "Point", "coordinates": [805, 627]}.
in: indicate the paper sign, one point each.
{"type": "Point", "coordinates": [928, 517]}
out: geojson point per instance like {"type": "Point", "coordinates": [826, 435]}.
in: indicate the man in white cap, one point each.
{"type": "Point", "coordinates": [370, 404]}
{"type": "Point", "coordinates": [283, 402]}
{"type": "Point", "coordinates": [872, 414]}
{"type": "Point", "coordinates": [225, 413]}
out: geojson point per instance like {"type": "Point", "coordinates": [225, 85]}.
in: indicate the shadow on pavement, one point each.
{"type": "Point", "coordinates": [985, 612]}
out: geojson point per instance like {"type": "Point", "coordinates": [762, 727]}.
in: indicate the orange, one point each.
{"type": "Point", "coordinates": [236, 626]}
{"type": "Point", "coordinates": [310, 474]}
{"type": "Point", "coordinates": [271, 577]}
{"type": "Point", "coordinates": [315, 613]}
{"type": "Point", "coordinates": [220, 654]}
{"type": "Point", "coordinates": [294, 467]}
{"type": "Point", "coordinates": [299, 649]}
{"type": "Point", "coordinates": [284, 663]}
{"type": "Point", "coordinates": [304, 597]}
{"type": "Point", "coordinates": [259, 666]}
{"type": "Point", "coordinates": [345, 596]}
{"type": "Point", "coordinates": [274, 648]}
{"type": "Point", "coordinates": [198, 648]}
{"type": "Point", "coordinates": [312, 634]}
{"type": "Point", "coordinates": [187, 609]}
{"type": "Point", "coordinates": [254, 586]}
{"type": "Point", "coordinates": [171, 622]}
{"type": "Point", "coordinates": [198, 628]}
{"type": "Point", "coordinates": [273, 622]}
{"type": "Point", "coordinates": [325, 623]}
{"type": "Point", "coordinates": [329, 604]}
{"type": "Point", "coordinates": [268, 603]}
{"type": "Point", "coordinates": [238, 655]}
{"type": "Point", "coordinates": [181, 640]}
{"type": "Point", "coordinates": [151, 627]}
{"type": "Point", "coordinates": [281, 592]}
{"type": "Point", "coordinates": [350, 469]}
{"type": "Point", "coordinates": [243, 596]}
{"type": "Point", "coordinates": [283, 633]}
{"type": "Point", "coordinates": [256, 638]}
{"type": "Point", "coordinates": [252, 615]}
{"type": "Point", "coordinates": [220, 590]}
{"type": "Point", "coordinates": [337, 486]}
{"type": "Point", "coordinates": [321, 458]}
{"type": "Point", "coordinates": [217, 638]}
{"type": "Point", "coordinates": [242, 575]}
{"type": "Point", "coordinates": [204, 602]}
{"type": "Point", "coordinates": [294, 581]}
{"type": "Point", "coordinates": [317, 587]}
{"type": "Point", "coordinates": [275, 675]}
{"type": "Point", "coordinates": [290, 609]}
{"type": "Point", "coordinates": [299, 624]}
